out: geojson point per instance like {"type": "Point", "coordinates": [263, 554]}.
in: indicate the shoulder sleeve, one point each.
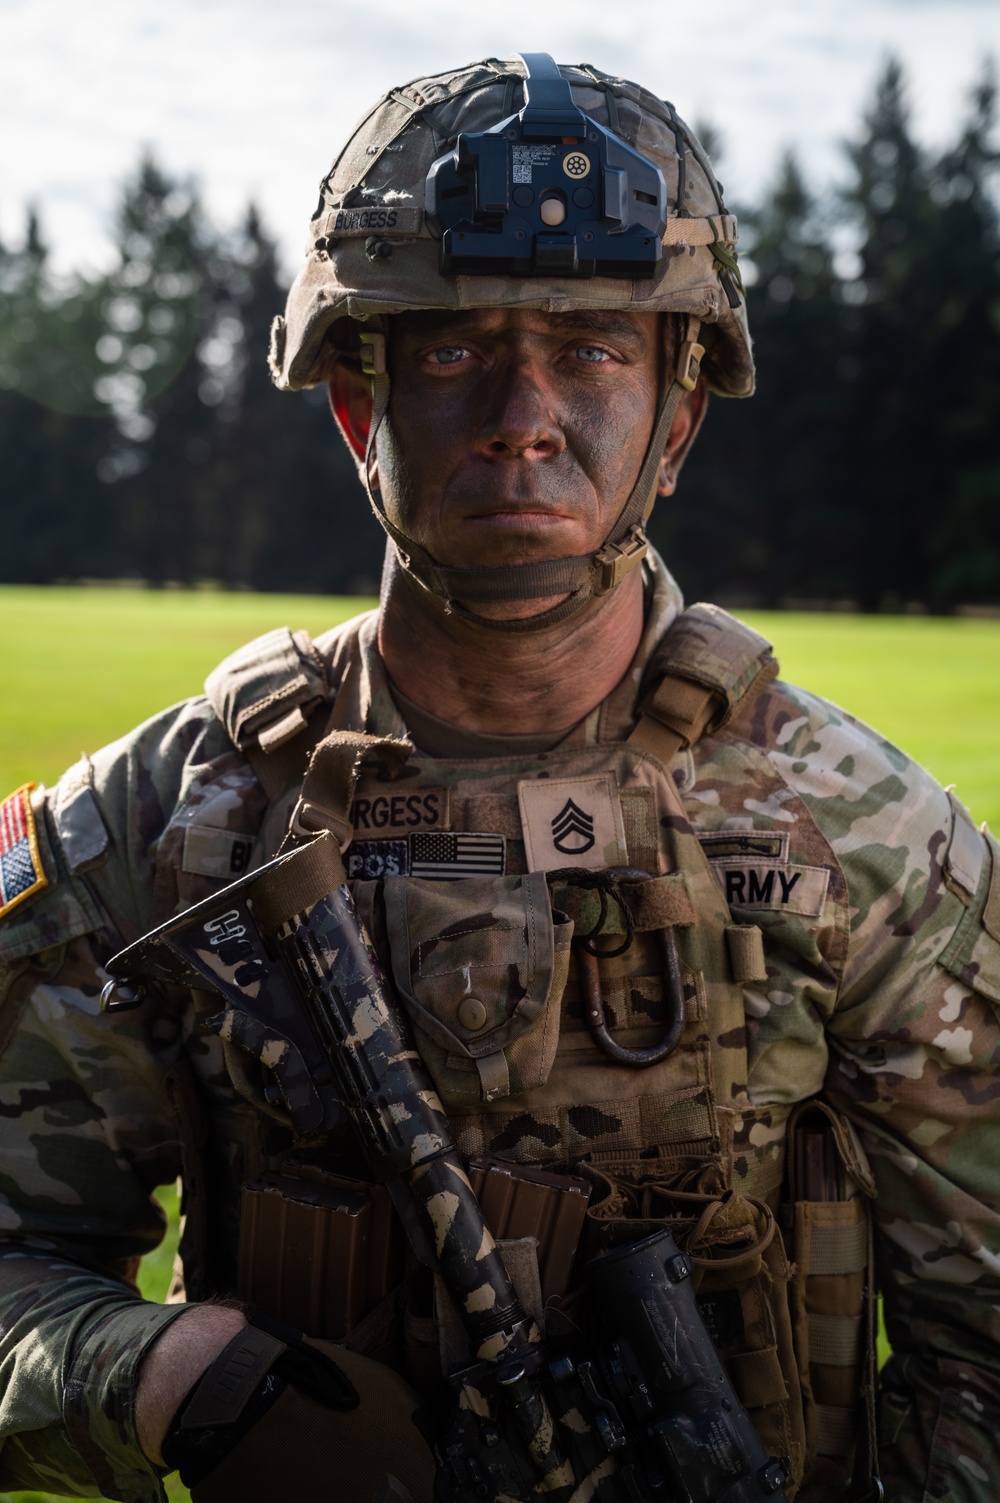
{"type": "Point", "coordinates": [89, 1128]}
{"type": "Point", "coordinates": [915, 1061]}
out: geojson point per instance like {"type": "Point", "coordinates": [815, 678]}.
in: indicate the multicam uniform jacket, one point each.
{"type": "Point", "coordinates": [879, 906]}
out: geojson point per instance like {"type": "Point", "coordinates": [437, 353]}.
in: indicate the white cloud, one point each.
{"type": "Point", "coordinates": [254, 97]}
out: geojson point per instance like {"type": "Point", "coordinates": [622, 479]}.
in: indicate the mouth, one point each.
{"type": "Point", "coordinates": [520, 513]}
{"type": "Point", "coordinates": [521, 518]}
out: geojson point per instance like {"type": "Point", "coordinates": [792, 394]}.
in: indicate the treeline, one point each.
{"type": "Point", "coordinates": [140, 435]}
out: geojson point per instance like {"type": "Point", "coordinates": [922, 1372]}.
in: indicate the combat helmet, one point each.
{"type": "Point", "coordinates": [521, 184]}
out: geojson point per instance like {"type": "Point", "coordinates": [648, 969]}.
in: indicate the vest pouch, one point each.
{"type": "Point", "coordinates": [319, 1251]}
{"type": "Point", "coordinates": [826, 1219]}
{"type": "Point", "coordinates": [481, 965]}
{"type": "Point", "coordinates": [741, 1276]}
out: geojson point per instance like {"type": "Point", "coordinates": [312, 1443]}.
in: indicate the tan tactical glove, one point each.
{"type": "Point", "coordinates": [279, 1416]}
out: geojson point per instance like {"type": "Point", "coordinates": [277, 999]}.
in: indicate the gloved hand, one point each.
{"type": "Point", "coordinates": [280, 1416]}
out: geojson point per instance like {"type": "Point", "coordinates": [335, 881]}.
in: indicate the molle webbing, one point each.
{"type": "Point", "coordinates": [714, 665]}
{"type": "Point", "coordinates": [683, 1127]}
{"type": "Point", "coordinates": [833, 1296]}
{"type": "Point", "coordinates": [658, 903]}
{"type": "Point", "coordinates": [266, 695]}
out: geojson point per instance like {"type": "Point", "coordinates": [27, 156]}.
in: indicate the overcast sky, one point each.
{"type": "Point", "coordinates": [253, 96]}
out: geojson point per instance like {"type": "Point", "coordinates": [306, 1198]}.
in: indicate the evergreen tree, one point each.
{"type": "Point", "coordinates": [294, 516]}
{"type": "Point", "coordinates": [54, 523]}
{"type": "Point", "coordinates": [160, 311]}
{"type": "Point", "coordinates": [921, 426]}
{"type": "Point", "coordinates": [140, 433]}
{"type": "Point", "coordinates": [963, 271]}
{"type": "Point", "coordinates": [755, 492]}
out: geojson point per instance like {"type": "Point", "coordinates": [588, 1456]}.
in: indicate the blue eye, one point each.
{"type": "Point", "coordinates": [593, 353]}
{"type": "Point", "coordinates": [449, 354]}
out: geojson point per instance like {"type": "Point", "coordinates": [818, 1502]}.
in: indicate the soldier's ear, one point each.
{"type": "Point", "coordinates": [683, 432]}
{"type": "Point", "coordinates": [350, 395]}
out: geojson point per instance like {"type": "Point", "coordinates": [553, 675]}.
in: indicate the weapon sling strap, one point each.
{"type": "Point", "coordinates": [330, 779]}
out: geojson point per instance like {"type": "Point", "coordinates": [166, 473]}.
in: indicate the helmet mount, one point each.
{"type": "Point", "coordinates": [546, 192]}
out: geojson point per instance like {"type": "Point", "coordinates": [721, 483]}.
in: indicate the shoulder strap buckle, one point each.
{"type": "Point", "coordinates": [309, 819]}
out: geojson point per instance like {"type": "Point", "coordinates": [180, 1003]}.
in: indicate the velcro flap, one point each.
{"type": "Point", "coordinates": [712, 648]}
{"type": "Point", "coordinates": [973, 952]}
{"type": "Point", "coordinates": [963, 864]}
{"type": "Point", "coordinates": [659, 903]}
{"type": "Point", "coordinates": [275, 735]}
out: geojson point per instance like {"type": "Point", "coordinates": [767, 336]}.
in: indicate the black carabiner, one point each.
{"type": "Point", "coordinates": [673, 987]}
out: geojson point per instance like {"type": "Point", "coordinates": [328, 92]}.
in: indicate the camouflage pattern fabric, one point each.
{"type": "Point", "coordinates": [879, 904]}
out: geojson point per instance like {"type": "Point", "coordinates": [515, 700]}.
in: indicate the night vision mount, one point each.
{"type": "Point", "coordinates": [547, 192]}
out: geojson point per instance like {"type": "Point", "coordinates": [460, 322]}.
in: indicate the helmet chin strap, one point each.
{"type": "Point", "coordinates": [580, 578]}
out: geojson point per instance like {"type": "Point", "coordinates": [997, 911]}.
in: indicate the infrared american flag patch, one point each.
{"type": "Point", "coordinates": [446, 857]}
{"type": "Point", "coordinates": [21, 869]}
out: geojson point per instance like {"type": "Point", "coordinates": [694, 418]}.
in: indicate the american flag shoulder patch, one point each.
{"type": "Point", "coordinates": [21, 871]}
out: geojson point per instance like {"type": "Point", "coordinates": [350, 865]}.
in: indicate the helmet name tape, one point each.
{"type": "Point", "coordinates": [386, 218]}
{"type": "Point", "coordinates": [547, 192]}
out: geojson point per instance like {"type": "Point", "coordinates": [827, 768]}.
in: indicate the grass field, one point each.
{"type": "Point", "coordinates": [79, 667]}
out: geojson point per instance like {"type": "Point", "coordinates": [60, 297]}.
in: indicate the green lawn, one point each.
{"type": "Point", "coordinates": [81, 666]}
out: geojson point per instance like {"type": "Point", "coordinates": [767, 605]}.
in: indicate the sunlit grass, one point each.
{"type": "Point", "coordinates": [80, 667]}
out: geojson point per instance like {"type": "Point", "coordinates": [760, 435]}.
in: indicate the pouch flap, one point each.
{"type": "Point", "coordinates": [275, 680]}
{"type": "Point", "coordinates": [847, 1144]}
{"type": "Point", "coordinates": [472, 959]}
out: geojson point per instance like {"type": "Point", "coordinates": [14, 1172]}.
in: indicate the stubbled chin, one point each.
{"type": "Point", "coordinates": [518, 538]}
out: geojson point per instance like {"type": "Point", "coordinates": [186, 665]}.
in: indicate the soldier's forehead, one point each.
{"type": "Point", "coordinates": [615, 324]}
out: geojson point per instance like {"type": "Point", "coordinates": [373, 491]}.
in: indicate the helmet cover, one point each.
{"type": "Point", "coordinates": [375, 249]}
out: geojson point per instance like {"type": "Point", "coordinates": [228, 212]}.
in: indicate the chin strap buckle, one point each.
{"type": "Point", "coordinates": [615, 560]}
{"type": "Point", "coordinates": [372, 353]}
{"type": "Point", "coordinates": [690, 354]}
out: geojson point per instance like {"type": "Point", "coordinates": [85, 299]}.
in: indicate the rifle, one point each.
{"type": "Point", "coordinates": [649, 1415]}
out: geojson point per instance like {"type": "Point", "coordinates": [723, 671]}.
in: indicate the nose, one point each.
{"type": "Point", "coordinates": [520, 421]}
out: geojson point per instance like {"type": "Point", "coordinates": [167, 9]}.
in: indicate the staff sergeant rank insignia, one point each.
{"type": "Point", "coordinates": [21, 871]}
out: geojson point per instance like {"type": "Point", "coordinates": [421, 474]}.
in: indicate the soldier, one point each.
{"type": "Point", "coordinates": [519, 294]}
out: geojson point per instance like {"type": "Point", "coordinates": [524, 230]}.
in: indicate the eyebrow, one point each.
{"type": "Point", "coordinates": [601, 320]}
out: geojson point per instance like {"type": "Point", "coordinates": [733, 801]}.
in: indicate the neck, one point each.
{"type": "Point", "coordinates": [506, 683]}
